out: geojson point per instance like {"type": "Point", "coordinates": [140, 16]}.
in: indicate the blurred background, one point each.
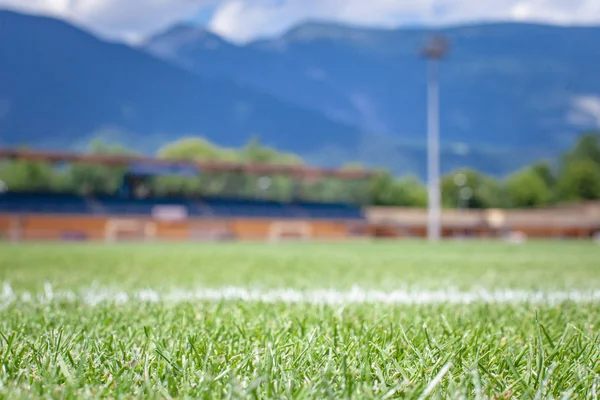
{"type": "Point", "coordinates": [271, 119]}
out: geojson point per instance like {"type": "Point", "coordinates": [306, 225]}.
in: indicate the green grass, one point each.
{"type": "Point", "coordinates": [545, 265]}
{"type": "Point", "coordinates": [252, 350]}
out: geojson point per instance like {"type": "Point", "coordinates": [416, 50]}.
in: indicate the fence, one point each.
{"type": "Point", "coordinates": [17, 228]}
{"type": "Point", "coordinates": [581, 221]}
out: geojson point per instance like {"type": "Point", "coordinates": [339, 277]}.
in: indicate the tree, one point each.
{"type": "Point", "coordinates": [254, 152]}
{"type": "Point", "coordinates": [527, 188]}
{"type": "Point", "coordinates": [476, 190]}
{"type": "Point", "coordinates": [227, 183]}
{"type": "Point", "coordinates": [197, 149]}
{"type": "Point", "coordinates": [579, 175]}
{"type": "Point", "coordinates": [23, 175]}
{"type": "Point", "coordinates": [413, 192]}
{"type": "Point", "coordinates": [579, 180]}
{"type": "Point", "coordinates": [544, 170]}
{"type": "Point", "coordinates": [586, 148]}
{"type": "Point", "coordinates": [31, 176]}
{"type": "Point", "coordinates": [86, 178]}
{"type": "Point", "coordinates": [406, 192]}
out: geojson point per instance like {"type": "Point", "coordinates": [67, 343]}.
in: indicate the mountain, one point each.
{"type": "Point", "coordinates": [59, 86]}
{"type": "Point", "coordinates": [509, 92]}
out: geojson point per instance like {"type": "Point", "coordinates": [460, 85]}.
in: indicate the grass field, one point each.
{"type": "Point", "coordinates": [345, 320]}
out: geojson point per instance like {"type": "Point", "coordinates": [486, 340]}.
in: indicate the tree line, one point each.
{"type": "Point", "coordinates": [574, 176]}
{"type": "Point", "coordinates": [80, 178]}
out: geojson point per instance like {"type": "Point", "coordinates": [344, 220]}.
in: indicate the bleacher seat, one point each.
{"type": "Point", "coordinates": [331, 210]}
{"type": "Point", "coordinates": [143, 207]}
{"type": "Point", "coordinates": [215, 207]}
{"type": "Point", "coordinates": [43, 203]}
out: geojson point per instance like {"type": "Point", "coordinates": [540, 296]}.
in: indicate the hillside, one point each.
{"type": "Point", "coordinates": [59, 86]}
{"type": "Point", "coordinates": [333, 94]}
{"type": "Point", "coordinates": [507, 89]}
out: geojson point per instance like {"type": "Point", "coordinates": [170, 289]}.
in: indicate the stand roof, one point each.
{"type": "Point", "coordinates": [295, 171]}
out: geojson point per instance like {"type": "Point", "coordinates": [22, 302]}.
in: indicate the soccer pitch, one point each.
{"type": "Point", "coordinates": [300, 320]}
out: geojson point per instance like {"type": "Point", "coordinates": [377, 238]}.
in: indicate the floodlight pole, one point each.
{"type": "Point", "coordinates": [434, 51]}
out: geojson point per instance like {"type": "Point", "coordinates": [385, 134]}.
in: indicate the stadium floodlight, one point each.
{"type": "Point", "coordinates": [434, 51]}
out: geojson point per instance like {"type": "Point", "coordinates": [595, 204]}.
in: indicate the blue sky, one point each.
{"type": "Point", "coordinates": [243, 20]}
{"type": "Point", "coordinates": [204, 15]}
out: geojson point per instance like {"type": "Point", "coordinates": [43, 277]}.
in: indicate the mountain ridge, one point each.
{"type": "Point", "coordinates": [504, 105]}
{"type": "Point", "coordinates": [62, 83]}
{"type": "Point", "coordinates": [503, 73]}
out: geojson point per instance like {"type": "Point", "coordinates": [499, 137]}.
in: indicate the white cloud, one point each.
{"type": "Point", "coordinates": [246, 19]}
{"type": "Point", "coordinates": [242, 20]}
{"type": "Point", "coordinates": [585, 111]}
{"type": "Point", "coordinates": [126, 19]}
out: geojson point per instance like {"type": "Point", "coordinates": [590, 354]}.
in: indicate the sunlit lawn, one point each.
{"type": "Point", "coordinates": [235, 349]}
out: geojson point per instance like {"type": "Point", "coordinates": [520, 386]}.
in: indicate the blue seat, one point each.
{"type": "Point", "coordinates": [330, 210]}
{"type": "Point", "coordinates": [135, 207]}
{"type": "Point", "coordinates": [43, 203]}
{"type": "Point", "coordinates": [51, 203]}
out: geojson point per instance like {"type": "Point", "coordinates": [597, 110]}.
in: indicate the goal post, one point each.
{"type": "Point", "coordinates": [131, 229]}
{"type": "Point", "coordinates": [289, 230]}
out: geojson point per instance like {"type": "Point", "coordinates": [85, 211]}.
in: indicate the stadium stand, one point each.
{"type": "Point", "coordinates": [50, 203]}
{"type": "Point", "coordinates": [136, 210]}
{"type": "Point", "coordinates": [253, 215]}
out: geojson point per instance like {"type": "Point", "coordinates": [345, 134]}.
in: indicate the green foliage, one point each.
{"type": "Point", "coordinates": [576, 177]}
{"type": "Point", "coordinates": [389, 191]}
{"type": "Point", "coordinates": [543, 169]}
{"type": "Point", "coordinates": [528, 188]}
{"type": "Point", "coordinates": [254, 152]}
{"type": "Point", "coordinates": [85, 178]}
{"type": "Point", "coordinates": [197, 149]}
{"type": "Point", "coordinates": [23, 175]}
{"type": "Point", "coordinates": [579, 180]}
{"type": "Point", "coordinates": [226, 183]}
{"type": "Point", "coordinates": [200, 149]}
{"type": "Point", "coordinates": [485, 191]}
{"type": "Point", "coordinates": [586, 148]}
{"type": "Point", "coordinates": [579, 174]}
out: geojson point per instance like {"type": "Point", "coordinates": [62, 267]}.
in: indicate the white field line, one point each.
{"type": "Point", "coordinates": [97, 295]}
